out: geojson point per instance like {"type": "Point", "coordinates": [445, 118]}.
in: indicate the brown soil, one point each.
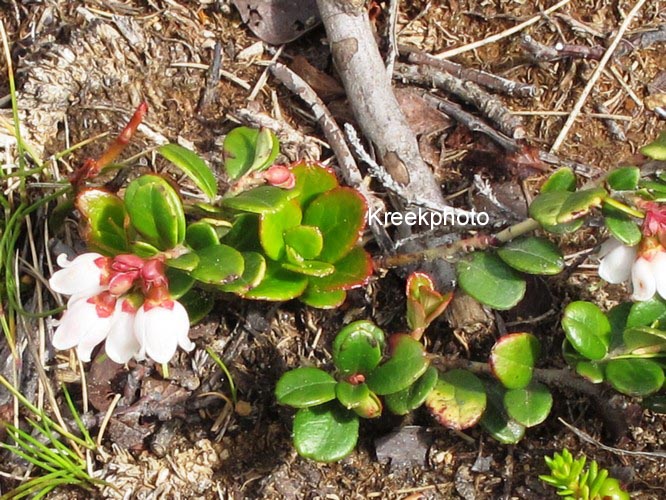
{"type": "Point", "coordinates": [82, 67]}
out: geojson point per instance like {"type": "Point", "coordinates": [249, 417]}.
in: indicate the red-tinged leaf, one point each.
{"type": "Point", "coordinates": [350, 272]}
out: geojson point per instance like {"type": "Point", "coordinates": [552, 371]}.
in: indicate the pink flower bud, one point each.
{"type": "Point", "coordinates": [153, 274]}
{"type": "Point", "coordinates": [127, 262]}
{"type": "Point", "coordinates": [280, 176]}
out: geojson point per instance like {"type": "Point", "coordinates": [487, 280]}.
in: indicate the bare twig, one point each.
{"type": "Point", "coordinates": [392, 50]}
{"type": "Point", "coordinates": [506, 33]}
{"type": "Point", "coordinates": [542, 53]}
{"type": "Point", "coordinates": [470, 92]}
{"type": "Point", "coordinates": [595, 76]}
{"type": "Point", "coordinates": [212, 79]}
{"type": "Point", "coordinates": [488, 80]}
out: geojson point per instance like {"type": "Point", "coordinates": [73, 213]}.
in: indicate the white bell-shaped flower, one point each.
{"type": "Point", "coordinates": [616, 261]}
{"type": "Point", "coordinates": [121, 343]}
{"type": "Point", "coordinates": [84, 324]}
{"type": "Point", "coordinates": [84, 276]}
{"type": "Point", "coordinates": [160, 329]}
{"type": "Point", "coordinates": [643, 280]}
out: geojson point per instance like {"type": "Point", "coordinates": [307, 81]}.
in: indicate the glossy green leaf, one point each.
{"type": "Point", "coordinates": [358, 347]}
{"type": "Point", "coordinates": [340, 216]}
{"type": "Point", "coordinates": [512, 359]}
{"type": "Point", "coordinates": [655, 403]}
{"type": "Point", "coordinates": [193, 166]}
{"type": "Point", "coordinates": [635, 377]}
{"type": "Point", "coordinates": [562, 180]}
{"type": "Point", "coordinates": [351, 395]}
{"type": "Point", "coordinates": [656, 149]}
{"type": "Point", "coordinates": [590, 370]}
{"type": "Point", "coordinates": [351, 271]}
{"type": "Point", "coordinates": [179, 282]}
{"type": "Point", "coordinates": [477, 273]}
{"type": "Point", "coordinates": [278, 284]}
{"type": "Point", "coordinates": [305, 386]}
{"type": "Point", "coordinates": [106, 219]}
{"type": "Point", "coordinates": [244, 233]}
{"type": "Point", "coordinates": [532, 255]}
{"type": "Point", "coordinates": [314, 268]}
{"type": "Point", "coordinates": [424, 303]}
{"type": "Point", "coordinates": [587, 328]}
{"type": "Point", "coordinates": [580, 203]}
{"type": "Point", "coordinates": [155, 211]}
{"type": "Point", "coordinates": [247, 149]}
{"type": "Point", "coordinates": [273, 225]}
{"type": "Point", "coordinates": [254, 271]}
{"type": "Point", "coordinates": [407, 363]}
{"type": "Point", "coordinates": [143, 249]}
{"type": "Point", "coordinates": [323, 300]}
{"type": "Point", "coordinates": [624, 179]}
{"type": "Point", "coordinates": [260, 200]}
{"type": "Point", "coordinates": [621, 225]}
{"type": "Point", "coordinates": [402, 402]}
{"type": "Point", "coordinates": [546, 207]}
{"type": "Point", "coordinates": [370, 407]}
{"type": "Point", "coordinates": [646, 312]}
{"type": "Point", "coordinates": [644, 341]}
{"type": "Point", "coordinates": [312, 180]}
{"type": "Point", "coordinates": [617, 317]}
{"type": "Point", "coordinates": [185, 262]}
{"type": "Point", "coordinates": [571, 355]}
{"type": "Point", "coordinates": [198, 304]}
{"type": "Point", "coordinates": [496, 420]}
{"type": "Point", "coordinates": [306, 241]}
{"type": "Point", "coordinates": [200, 235]}
{"type": "Point", "coordinates": [458, 399]}
{"type": "Point", "coordinates": [218, 265]}
{"type": "Point", "coordinates": [325, 433]}
{"type": "Point", "coordinates": [529, 406]}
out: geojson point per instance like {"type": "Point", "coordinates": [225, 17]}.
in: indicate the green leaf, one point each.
{"type": "Point", "coordinates": [624, 179]}
{"type": "Point", "coordinates": [247, 149]}
{"type": "Point", "coordinates": [546, 207]}
{"type": "Point", "coordinates": [475, 275]}
{"type": "Point", "coordinates": [340, 216]}
{"type": "Point", "coordinates": [644, 341]}
{"type": "Point", "coordinates": [529, 406]}
{"type": "Point", "coordinates": [358, 347]}
{"type": "Point", "coordinates": [155, 211]}
{"type": "Point", "coordinates": [402, 402]}
{"type": "Point", "coordinates": [512, 359]}
{"type": "Point", "coordinates": [179, 282]}
{"type": "Point", "coordinates": [635, 377]}
{"type": "Point", "coordinates": [656, 403]}
{"type": "Point", "coordinates": [646, 312]}
{"type": "Point", "coordinates": [254, 272]}
{"type": "Point", "coordinates": [200, 235]}
{"type": "Point", "coordinates": [260, 200]}
{"type": "Point", "coordinates": [621, 225]}
{"type": "Point", "coordinates": [307, 241]}
{"type": "Point", "coordinates": [323, 300]}
{"type": "Point", "coordinates": [185, 262]}
{"type": "Point", "coordinates": [424, 303]}
{"type": "Point", "coordinates": [244, 233]}
{"type": "Point", "coordinates": [587, 328]}
{"type": "Point", "coordinates": [193, 166]}
{"type": "Point", "coordinates": [304, 387]}
{"type": "Point", "coordinates": [351, 271]}
{"type": "Point", "coordinates": [562, 180]}
{"type": "Point", "coordinates": [590, 370]}
{"type": "Point", "coordinates": [351, 395]}
{"type": "Point", "coordinates": [273, 225]}
{"type": "Point", "coordinates": [458, 399]}
{"type": "Point", "coordinates": [532, 255]}
{"type": "Point", "coordinates": [407, 363]}
{"type": "Point", "coordinates": [106, 219]}
{"type": "Point", "coordinates": [312, 268]}
{"type": "Point", "coordinates": [278, 284]}
{"type": "Point", "coordinates": [325, 433]}
{"type": "Point", "coordinates": [198, 304]}
{"type": "Point", "coordinates": [218, 265]}
{"type": "Point", "coordinates": [656, 149]}
{"type": "Point", "coordinates": [496, 420]}
{"type": "Point", "coordinates": [580, 203]}
{"type": "Point", "coordinates": [312, 180]}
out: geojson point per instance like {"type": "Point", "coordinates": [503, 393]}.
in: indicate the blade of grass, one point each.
{"type": "Point", "coordinates": [223, 367]}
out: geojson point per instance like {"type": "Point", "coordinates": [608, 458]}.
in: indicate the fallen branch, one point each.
{"type": "Point", "coordinates": [488, 80]}
{"type": "Point", "coordinates": [469, 92]}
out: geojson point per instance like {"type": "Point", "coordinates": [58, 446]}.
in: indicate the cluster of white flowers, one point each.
{"type": "Point", "coordinates": [123, 301]}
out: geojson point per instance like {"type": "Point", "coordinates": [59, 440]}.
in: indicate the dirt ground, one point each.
{"type": "Point", "coordinates": [81, 69]}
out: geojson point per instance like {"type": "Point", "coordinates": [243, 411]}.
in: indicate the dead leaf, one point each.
{"type": "Point", "coordinates": [326, 87]}
{"type": "Point", "coordinates": [422, 118]}
{"type": "Point", "coordinates": [278, 21]}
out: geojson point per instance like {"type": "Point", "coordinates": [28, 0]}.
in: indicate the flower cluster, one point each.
{"type": "Point", "coordinates": [644, 263]}
{"type": "Point", "coordinates": [122, 300]}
